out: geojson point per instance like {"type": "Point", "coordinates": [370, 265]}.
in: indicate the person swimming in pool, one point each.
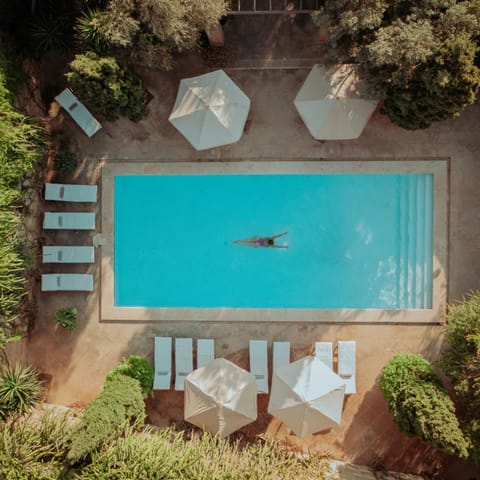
{"type": "Point", "coordinates": [262, 241]}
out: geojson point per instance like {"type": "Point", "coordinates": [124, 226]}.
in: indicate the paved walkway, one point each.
{"type": "Point", "coordinates": [78, 362]}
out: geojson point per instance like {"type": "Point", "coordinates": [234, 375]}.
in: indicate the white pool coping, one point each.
{"type": "Point", "coordinates": [439, 168]}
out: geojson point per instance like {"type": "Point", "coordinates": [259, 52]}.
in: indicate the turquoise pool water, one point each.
{"type": "Point", "coordinates": [354, 241]}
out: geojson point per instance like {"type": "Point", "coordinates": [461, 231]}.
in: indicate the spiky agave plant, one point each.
{"type": "Point", "coordinates": [20, 389]}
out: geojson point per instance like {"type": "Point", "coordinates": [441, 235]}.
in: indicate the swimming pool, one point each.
{"type": "Point", "coordinates": [355, 241]}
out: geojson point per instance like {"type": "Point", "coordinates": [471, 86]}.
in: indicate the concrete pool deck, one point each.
{"type": "Point", "coordinates": [438, 168]}
{"type": "Point", "coordinates": [77, 362]}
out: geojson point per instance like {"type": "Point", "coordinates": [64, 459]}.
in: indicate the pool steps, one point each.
{"type": "Point", "coordinates": [414, 277]}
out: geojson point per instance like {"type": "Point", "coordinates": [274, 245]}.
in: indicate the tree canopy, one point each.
{"type": "Point", "coordinates": [419, 56]}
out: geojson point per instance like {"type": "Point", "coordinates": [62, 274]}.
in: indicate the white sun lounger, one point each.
{"type": "Point", "coordinates": [70, 193]}
{"type": "Point", "coordinates": [52, 282]}
{"type": "Point", "coordinates": [281, 354]}
{"type": "Point", "coordinates": [324, 352]}
{"type": "Point", "coordinates": [69, 220]}
{"type": "Point", "coordinates": [259, 364]}
{"type": "Point", "coordinates": [183, 360]}
{"type": "Point", "coordinates": [77, 110]}
{"type": "Point", "coordinates": [205, 351]}
{"type": "Point", "coordinates": [162, 363]}
{"type": "Point", "coordinates": [346, 365]}
{"type": "Point", "coordinates": [67, 254]}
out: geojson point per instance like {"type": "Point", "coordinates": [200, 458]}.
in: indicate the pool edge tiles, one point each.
{"type": "Point", "coordinates": [438, 168]}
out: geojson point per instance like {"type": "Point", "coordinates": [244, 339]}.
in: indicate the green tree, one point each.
{"type": "Point", "coordinates": [419, 404]}
{"type": "Point", "coordinates": [398, 49]}
{"type": "Point", "coordinates": [439, 89]}
{"type": "Point", "coordinates": [178, 22]}
{"type": "Point", "coordinates": [106, 87]}
{"type": "Point", "coordinates": [461, 362]}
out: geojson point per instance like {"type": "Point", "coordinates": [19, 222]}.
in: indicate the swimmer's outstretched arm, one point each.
{"type": "Point", "coordinates": [279, 235]}
{"type": "Point", "coordinates": [278, 246]}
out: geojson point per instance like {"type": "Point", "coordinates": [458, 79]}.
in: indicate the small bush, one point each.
{"type": "Point", "coordinates": [20, 389]}
{"type": "Point", "coordinates": [138, 368]}
{"type": "Point", "coordinates": [419, 404]}
{"type": "Point", "coordinates": [107, 88]}
{"type": "Point", "coordinates": [119, 406]}
{"type": "Point", "coordinates": [401, 370]}
{"type": "Point", "coordinates": [67, 318]}
{"type": "Point", "coordinates": [65, 162]}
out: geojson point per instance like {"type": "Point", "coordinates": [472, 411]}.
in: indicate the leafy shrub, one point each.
{"type": "Point", "coordinates": [138, 368]}
{"type": "Point", "coordinates": [67, 318]}
{"type": "Point", "coordinates": [419, 404]}
{"type": "Point", "coordinates": [428, 413]}
{"type": "Point", "coordinates": [461, 362]}
{"type": "Point", "coordinates": [118, 406]}
{"type": "Point", "coordinates": [20, 389]}
{"type": "Point", "coordinates": [65, 162]}
{"type": "Point", "coordinates": [107, 88]}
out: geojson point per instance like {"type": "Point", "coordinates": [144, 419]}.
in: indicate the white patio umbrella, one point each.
{"type": "Point", "coordinates": [330, 104]}
{"type": "Point", "coordinates": [210, 110]}
{"type": "Point", "coordinates": [220, 397]}
{"type": "Point", "coordinates": [307, 396]}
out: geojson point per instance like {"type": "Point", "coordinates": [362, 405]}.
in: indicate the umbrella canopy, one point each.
{"type": "Point", "coordinates": [330, 104]}
{"type": "Point", "coordinates": [220, 397]}
{"type": "Point", "coordinates": [307, 396]}
{"type": "Point", "coordinates": [210, 110]}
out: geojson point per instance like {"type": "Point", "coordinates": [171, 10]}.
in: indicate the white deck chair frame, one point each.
{"type": "Point", "coordinates": [68, 254]}
{"type": "Point", "coordinates": [183, 361]}
{"type": "Point", "coordinates": [347, 365]}
{"type": "Point", "coordinates": [57, 282]}
{"type": "Point", "coordinates": [281, 354]}
{"type": "Point", "coordinates": [69, 221]}
{"type": "Point", "coordinates": [77, 110]}
{"type": "Point", "coordinates": [205, 351]}
{"type": "Point", "coordinates": [162, 363]}
{"type": "Point", "coordinates": [259, 363]}
{"type": "Point", "coordinates": [70, 193]}
{"type": "Point", "coordinates": [324, 352]}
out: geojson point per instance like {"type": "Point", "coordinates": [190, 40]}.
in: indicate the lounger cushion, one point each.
{"type": "Point", "coordinates": [67, 282]}
{"type": "Point", "coordinates": [69, 220]}
{"type": "Point", "coordinates": [68, 254]}
{"type": "Point", "coordinates": [163, 363]}
{"type": "Point", "coordinates": [70, 193]}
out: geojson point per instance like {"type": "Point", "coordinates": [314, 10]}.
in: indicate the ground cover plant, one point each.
{"type": "Point", "coordinates": [419, 404]}
{"type": "Point", "coordinates": [36, 446]}
{"type": "Point", "coordinates": [461, 362]}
